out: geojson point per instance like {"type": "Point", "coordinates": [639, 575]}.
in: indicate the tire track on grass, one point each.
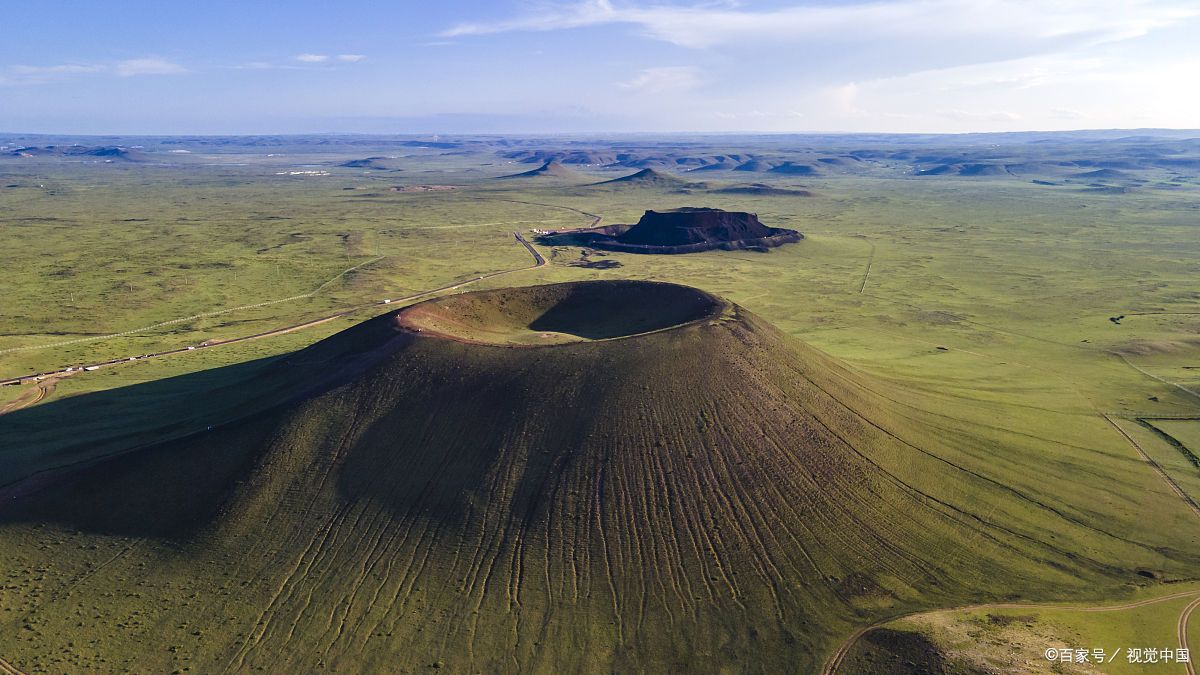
{"type": "Point", "coordinates": [9, 669]}
{"type": "Point", "coordinates": [1181, 627]}
{"type": "Point", "coordinates": [1170, 482]}
{"type": "Point", "coordinates": [1190, 392]}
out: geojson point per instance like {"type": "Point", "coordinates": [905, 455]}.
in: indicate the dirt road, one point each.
{"type": "Point", "coordinates": [44, 379]}
{"type": "Point", "coordinates": [34, 395]}
{"type": "Point", "coordinates": [1181, 628]}
{"type": "Point", "coordinates": [839, 655]}
{"type": "Point", "coordinates": [870, 264]}
{"type": "Point", "coordinates": [1170, 482]}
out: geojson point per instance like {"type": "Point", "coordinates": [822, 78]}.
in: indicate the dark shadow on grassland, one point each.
{"type": "Point", "coordinates": [166, 491]}
{"type": "Point", "coordinates": [883, 651]}
{"type": "Point", "coordinates": [74, 432]}
{"type": "Point", "coordinates": [159, 459]}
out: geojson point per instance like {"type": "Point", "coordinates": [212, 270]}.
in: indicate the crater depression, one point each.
{"type": "Point", "coordinates": [557, 313]}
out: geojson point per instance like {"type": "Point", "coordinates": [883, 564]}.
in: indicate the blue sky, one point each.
{"type": "Point", "coordinates": [598, 65]}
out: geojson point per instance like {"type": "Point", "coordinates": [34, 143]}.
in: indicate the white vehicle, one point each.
{"type": "Point", "coordinates": [92, 368]}
{"type": "Point", "coordinates": [191, 348]}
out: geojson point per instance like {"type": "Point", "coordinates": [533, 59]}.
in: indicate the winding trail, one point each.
{"type": "Point", "coordinates": [839, 655]}
{"type": "Point", "coordinates": [40, 378]}
{"type": "Point", "coordinates": [202, 315]}
{"type": "Point", "coordinates": [7, 668]}
{"type": "Point", "coordinates": [33, 396]}
{"type": "Point", "coordinates": [1181, 628]}
{"type": "Point", "coordinates": [595, 218]}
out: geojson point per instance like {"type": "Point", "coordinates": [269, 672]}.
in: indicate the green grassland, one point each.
{"type": "Point", "coordinates": [982, 330]}
{"type": "Point", "coordinates": [1015, 639]}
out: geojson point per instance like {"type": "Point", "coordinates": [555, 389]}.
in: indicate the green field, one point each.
{"type": "Point", "coordinates": [971, 319]}
{"type": "Point", "coordinates": [1016, 639]}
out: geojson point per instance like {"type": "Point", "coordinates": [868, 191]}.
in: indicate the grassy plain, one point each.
{"type": "Point", "coordinates": [1015, 639]}
{"type": "Point", "coordinates": [985, 314]}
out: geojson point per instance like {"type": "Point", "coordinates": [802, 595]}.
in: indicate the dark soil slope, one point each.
{"type": "Point", "coordinates": [693, 493]}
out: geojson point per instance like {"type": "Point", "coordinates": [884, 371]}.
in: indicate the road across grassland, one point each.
{"type": "Point", "coordinates": [1181, 628]}
{"type": "Point", "coordinates": [538, 261]}
{"type": "Point", "coordinates": [7, 668]}
{"type": "Point", "coordinates": [835, 661]}
{"type": "Point", "coordinates": [1170, 482]}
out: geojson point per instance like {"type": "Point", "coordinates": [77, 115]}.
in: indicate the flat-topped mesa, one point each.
{"type": "Point", "coordinates": [687, 230]}
{"type": "Point", "coordinates": [694, 225]}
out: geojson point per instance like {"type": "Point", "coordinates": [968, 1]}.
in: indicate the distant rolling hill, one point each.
{"type": "Point", "coordinates": [649, 178]}
{"type": "Point", "coordinates": [795, 169]}
{"type": "Point", "coordinates": [1105, 174]}
{"type": "Point", "coordinates": [551, 169]}
{"type": "Point", "coordinates": [761, 189]}
{"type": "Point", "coordinates": [81, 152]}
{"type": "Point", "coordinates": [374, 164]}
{"type": "Point", "coordinates": [585, 477]}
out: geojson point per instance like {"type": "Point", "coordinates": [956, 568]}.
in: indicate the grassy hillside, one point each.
{"type": "Point", "coordinates": [1016, 638]}
{"type": "Point", "coordinates": [995, 317]}
{"type": "Point", "coordinates": [712, 496]}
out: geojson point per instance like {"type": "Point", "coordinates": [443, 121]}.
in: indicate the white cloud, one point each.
{"type": "Point", "coordinates": [843, 98]}
{"type": "Point", "coordinates": [61, 69]}
{"type": "Point", "coordinates": [708, 25]}
{"type": "Point", "coordinates": [312, 58]}
{"type": "Point", "coordinates": [350, 58]}
{"type": "Point", "coordinates": [663, 79]}
{"type": "Point", "coordinates": [152, 65]}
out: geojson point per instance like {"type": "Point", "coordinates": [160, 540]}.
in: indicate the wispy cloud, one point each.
{"type": "Point", "coordinates": [706, 25]}
{"type": "Point", "coordinates": [326, 58]}
{"type": "Point", "coordinates": [149, 65]}
{"type": "Point", "coordinates": [663, 79]}
{"type": "Point", "coordinates": [152, 65]}
{"type": "Point", "coordinates": [50, 71]}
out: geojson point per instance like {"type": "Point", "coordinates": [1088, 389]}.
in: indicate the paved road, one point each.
{"type": "Point", "coordinates": [538, 261]}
